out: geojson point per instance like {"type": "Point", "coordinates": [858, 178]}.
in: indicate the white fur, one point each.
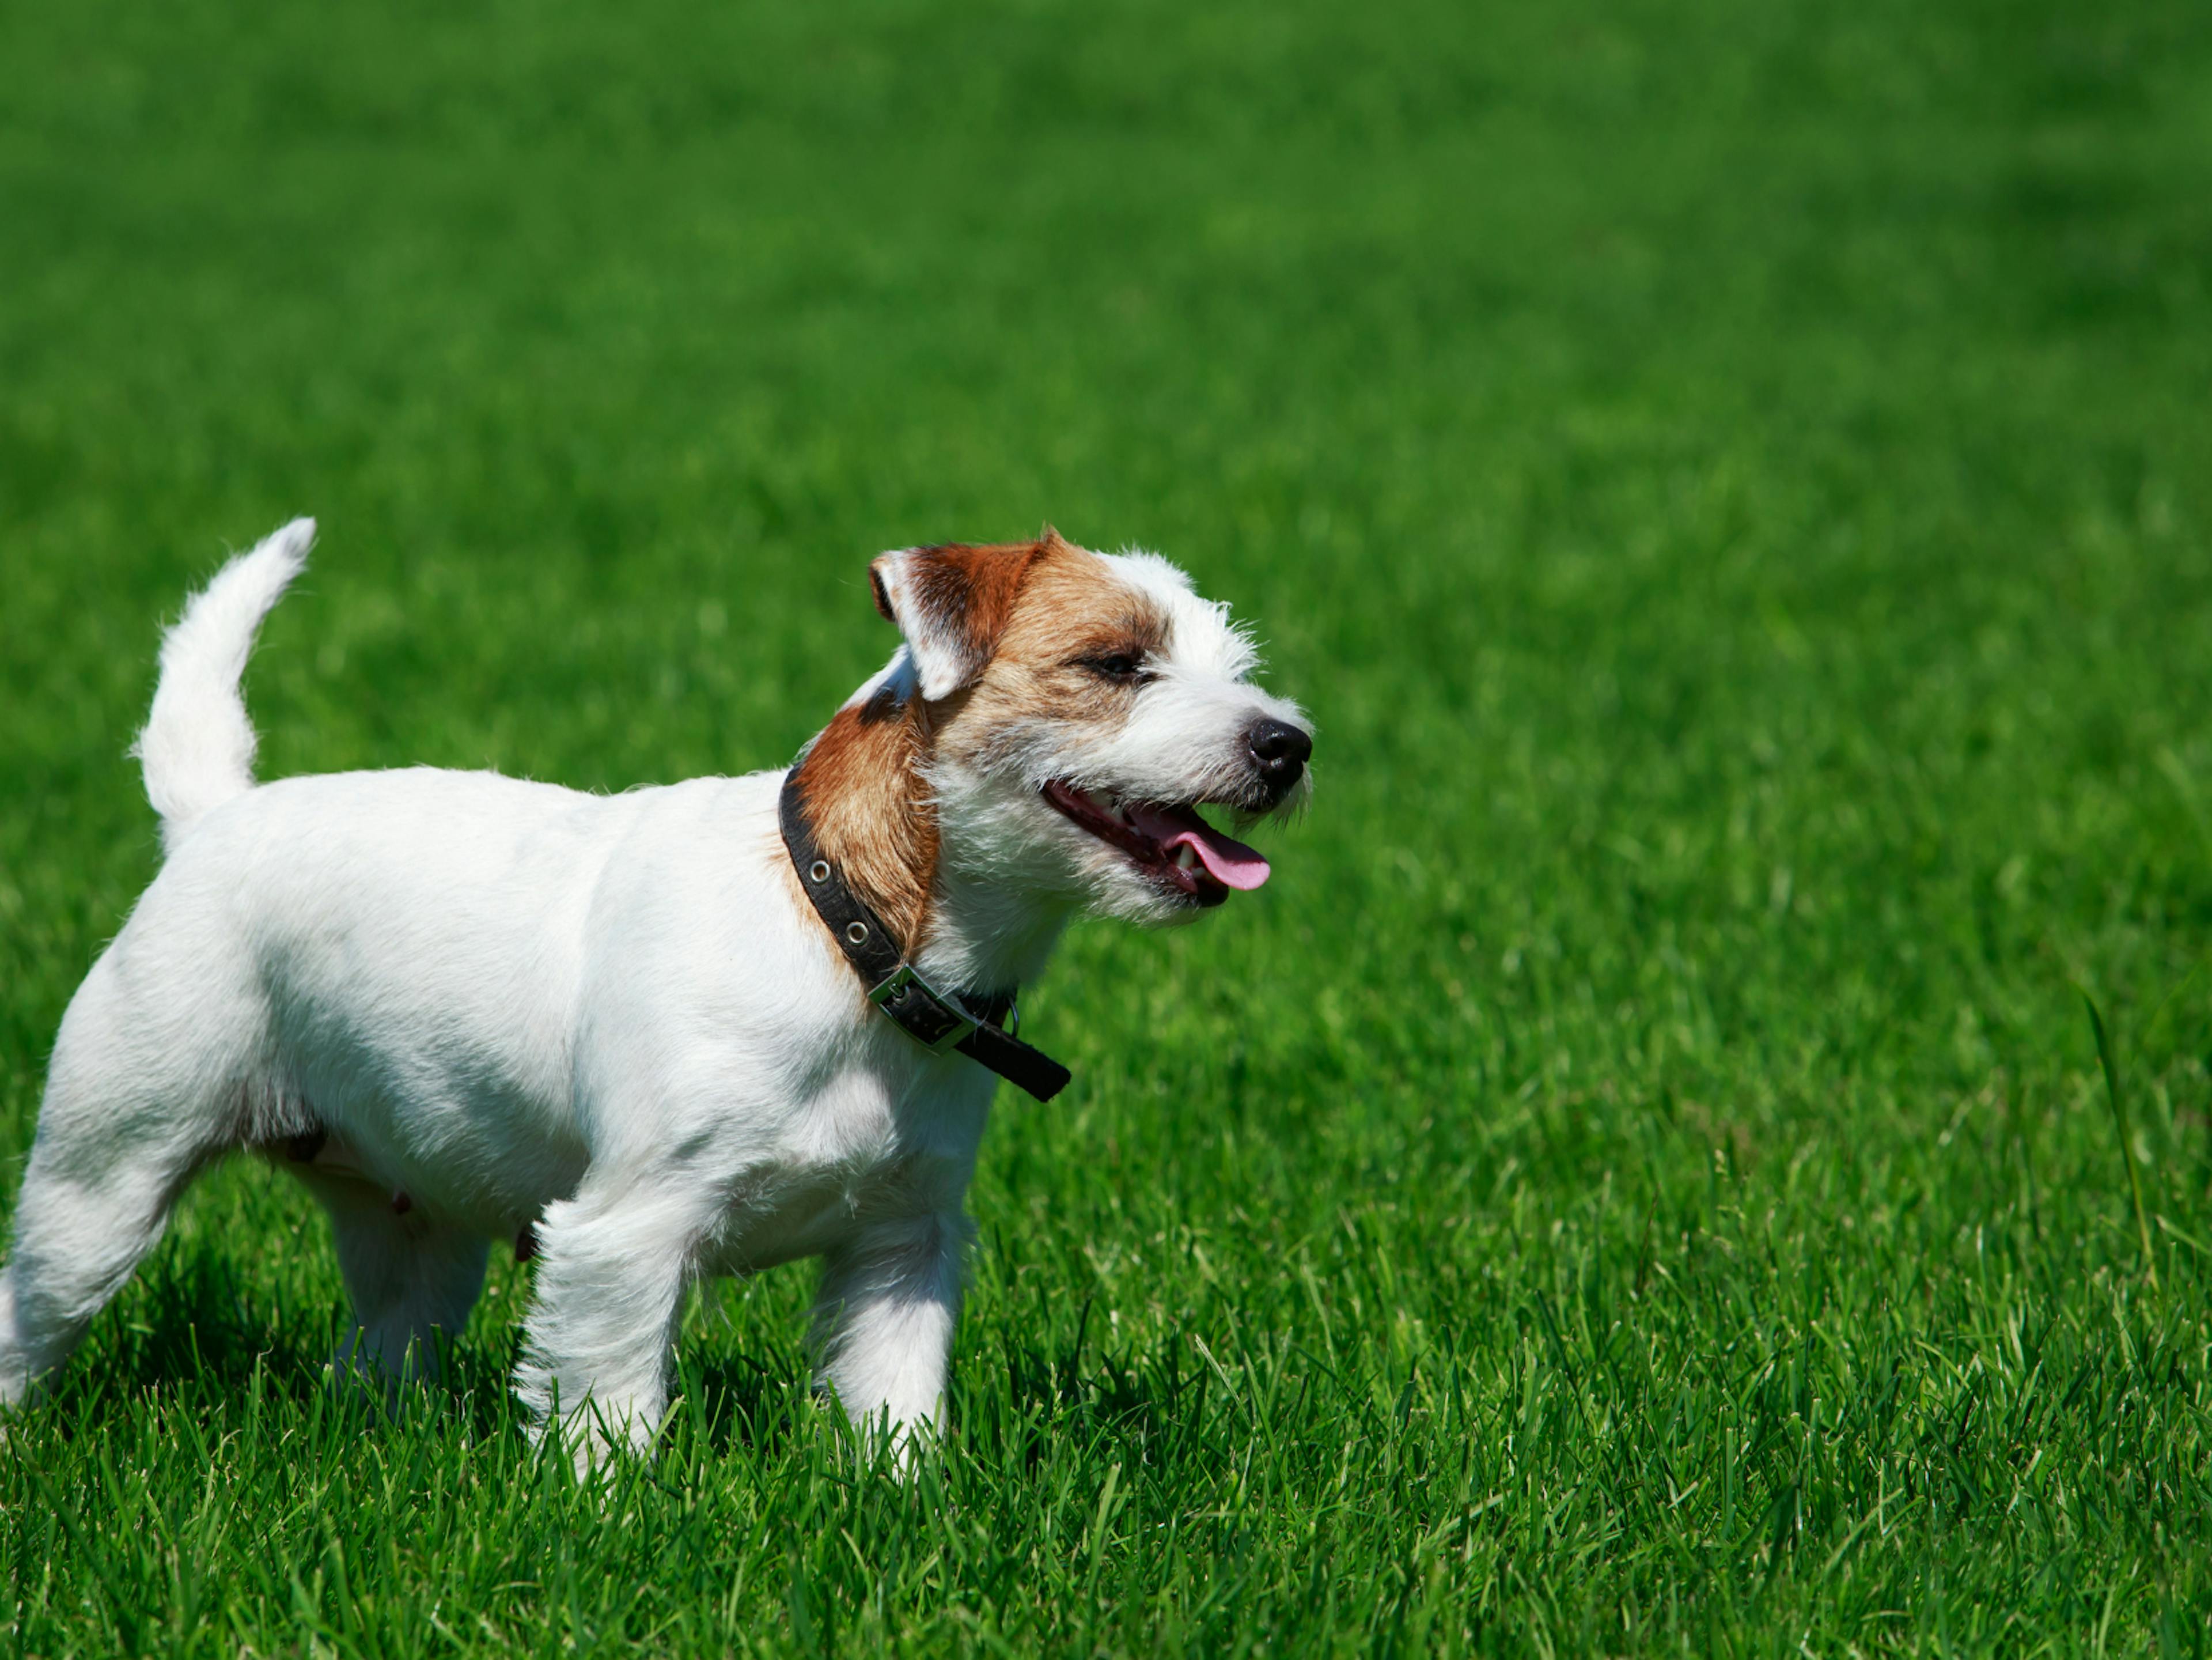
{"type": "Point", "coordinates": [198, 745]}
{"type": "Point", "coordinates": [609, 1018]}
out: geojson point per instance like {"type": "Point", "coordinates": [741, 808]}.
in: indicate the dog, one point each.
{"type": "Point", "coordinates": [636, 1035]}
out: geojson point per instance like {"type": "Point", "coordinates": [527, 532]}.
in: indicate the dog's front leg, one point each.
{"type": "Point", "coordinates": [613, 1267]}
{"type": "Point", "coordinates": [883, 1321]}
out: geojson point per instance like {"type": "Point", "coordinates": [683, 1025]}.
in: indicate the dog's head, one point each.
{"type": "Point", "coordinates": [1081, 707]}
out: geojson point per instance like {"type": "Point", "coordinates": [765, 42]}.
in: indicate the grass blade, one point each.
{"type": "Point", "coordinates": [2111, 1066]}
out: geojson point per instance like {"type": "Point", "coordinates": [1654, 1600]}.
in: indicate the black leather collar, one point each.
{"type": "Point", "coordinates": [970, 1023]}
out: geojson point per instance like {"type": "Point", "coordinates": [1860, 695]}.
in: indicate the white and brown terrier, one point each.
{"type": "Point", "coordinates": [620, 1030]}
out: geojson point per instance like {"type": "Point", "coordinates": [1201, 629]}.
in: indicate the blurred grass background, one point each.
{"type": "Point", "coordinates": [1730, 482]}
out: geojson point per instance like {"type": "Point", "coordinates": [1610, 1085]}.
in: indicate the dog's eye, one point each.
{"type": "Point", "coordinates": [1122, 667]}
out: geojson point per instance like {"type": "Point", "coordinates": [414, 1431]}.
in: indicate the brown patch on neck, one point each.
{"type": "Point", "coordinates": [862, 788]}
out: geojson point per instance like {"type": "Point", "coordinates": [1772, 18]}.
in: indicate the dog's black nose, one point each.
{"type": "Point", "coordinates": [1279, 750]}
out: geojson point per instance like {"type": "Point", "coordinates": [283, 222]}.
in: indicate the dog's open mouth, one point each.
{"type": "Point", "coordinates": [1171, 844]}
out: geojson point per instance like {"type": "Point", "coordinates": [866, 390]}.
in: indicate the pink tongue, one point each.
{"type": "Point", "coordinates": [1227, 860]}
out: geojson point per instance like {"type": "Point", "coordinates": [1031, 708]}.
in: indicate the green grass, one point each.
{"type": "Point", "coordinates": [1732, 481]}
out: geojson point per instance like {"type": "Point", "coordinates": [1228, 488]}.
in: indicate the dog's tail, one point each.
{"type": "Point", "coordinates": [196, 747]}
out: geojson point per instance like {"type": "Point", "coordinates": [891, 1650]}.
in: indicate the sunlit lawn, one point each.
{"type": "Point", "coordinates": [1731, 481]}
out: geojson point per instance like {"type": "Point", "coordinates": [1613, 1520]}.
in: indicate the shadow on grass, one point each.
{"type": "Point", "coordinates": [194, 1334]}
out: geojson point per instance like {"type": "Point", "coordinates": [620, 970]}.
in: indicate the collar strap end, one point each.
{"type": "Point", "coordinates": [937, 1021]}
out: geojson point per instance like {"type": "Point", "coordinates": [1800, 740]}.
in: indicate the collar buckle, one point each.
{"type": "Point", "coordinates": [917, 1008]}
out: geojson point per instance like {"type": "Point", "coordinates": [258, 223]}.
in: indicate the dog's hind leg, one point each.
{"type": "Point", "coordinates": [131, 1114]}
{"type": "Point", "coordinates": [412, 1280]}
{"type": "Point", "coordinates": [150, 1072]}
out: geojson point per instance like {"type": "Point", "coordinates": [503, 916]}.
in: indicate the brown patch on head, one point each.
{"type": "Point", "coordinates": [1073, 618]}
{"type": "Point", "coordinates": [1076, 607]}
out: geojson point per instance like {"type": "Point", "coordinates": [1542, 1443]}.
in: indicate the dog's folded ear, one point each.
{"type": "Point", "coordinates": [951, 603]}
